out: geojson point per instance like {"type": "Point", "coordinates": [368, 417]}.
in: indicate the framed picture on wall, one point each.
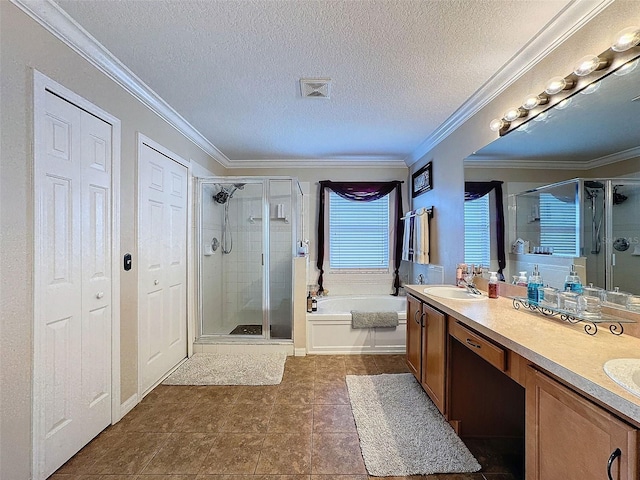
{"type": "Point", "coordinates": [422, 181]}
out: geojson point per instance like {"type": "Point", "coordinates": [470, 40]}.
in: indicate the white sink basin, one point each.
{"type": "Point", "coordinates": [455, 293]}
{"type": "Point", "coordinates": [625, 372]}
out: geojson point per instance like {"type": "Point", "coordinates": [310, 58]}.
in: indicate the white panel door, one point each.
{"type": "Point", "coordinates": [162, 240]}
{"type": "Point", "coordinates": [73, 277]}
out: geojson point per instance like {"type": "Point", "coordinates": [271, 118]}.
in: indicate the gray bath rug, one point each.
{"type": "Point", "coordinates": [230, 369]}
{"type": "Point", "coordinates": [401, 431]}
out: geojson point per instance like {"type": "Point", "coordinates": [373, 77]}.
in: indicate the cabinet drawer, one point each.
{"type": "Point", "coordinates": [493, 354]}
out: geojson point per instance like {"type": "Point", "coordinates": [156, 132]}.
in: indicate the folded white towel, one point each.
{"type": "Point", "coordinates": [406, 238]}
{"type": "Point", "coordinates": [422, 241]}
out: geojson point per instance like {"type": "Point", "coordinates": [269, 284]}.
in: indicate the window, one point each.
{"type": "Point", "coordinates": [358, 234]}
{"type": "Point", "coordinates": [557, 224]}
{"type": "Point", "coordinates": [477, 231]}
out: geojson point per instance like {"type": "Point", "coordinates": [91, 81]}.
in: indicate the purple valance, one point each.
{"type": "Point", "coordinates": [475, 190]}
{"type": "Point", "coordinates": [362, 192]}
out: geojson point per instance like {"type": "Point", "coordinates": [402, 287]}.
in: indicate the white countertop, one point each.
{"type": "Point", "coordinates": [561, 348]}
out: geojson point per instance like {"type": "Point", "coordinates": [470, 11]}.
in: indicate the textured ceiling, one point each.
{"type": "Point", "coordinates": [399, 68]}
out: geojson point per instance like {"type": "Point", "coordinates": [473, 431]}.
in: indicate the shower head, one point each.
{"type": "Point", "coordinates": [593, 184]}
{"type": "Point", "coordinates": [618, 198]}
{"type": "Point", "coordinates": [224, 195]}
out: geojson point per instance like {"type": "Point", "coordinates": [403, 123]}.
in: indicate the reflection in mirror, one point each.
{"type": "Point", "coordinates": [596, 128]}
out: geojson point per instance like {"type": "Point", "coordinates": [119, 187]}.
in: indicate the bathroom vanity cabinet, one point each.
{"type": "Point", "coordinates": [472, 362]}
{"type": "Point", "coordinates": [426, 348]}
{"type": "Point", "coordinates": [570, 437]}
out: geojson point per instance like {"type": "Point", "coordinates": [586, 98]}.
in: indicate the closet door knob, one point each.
{"type": "Point", "coordinates": [99, 295]}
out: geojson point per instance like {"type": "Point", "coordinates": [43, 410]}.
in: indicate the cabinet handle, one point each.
{"type": "Point", "coordinates": [422, 318]}
{"type": "Point", "coordinates": [415, 316]}
{"type": "Point", "coordinates": [616, 453]}
{"type": "Point", "coordinates": [474, 345]}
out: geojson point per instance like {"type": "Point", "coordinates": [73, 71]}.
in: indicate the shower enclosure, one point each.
{"type": "Point", "coordinates": [247, 234]}
{"type": "Point", "coordinates": [596, 219]}
{"type": "Point", "coordinates": [611, 232]}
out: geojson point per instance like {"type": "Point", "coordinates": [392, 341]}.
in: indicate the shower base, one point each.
{"type": "Point", "coordinates": [247, 330]}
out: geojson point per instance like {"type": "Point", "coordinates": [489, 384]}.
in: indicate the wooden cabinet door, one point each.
{"type": "Point", "coordinates": [570, 438]}
{"type": "Point", "coordinates": [414, 335]}
{"type": "Point", "coordinates": [434, 341]}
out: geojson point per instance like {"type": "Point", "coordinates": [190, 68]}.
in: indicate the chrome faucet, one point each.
{"type": "Point", "coordinates": [471, 288]}
{"type": "Point", "coordinates": [420, 279]}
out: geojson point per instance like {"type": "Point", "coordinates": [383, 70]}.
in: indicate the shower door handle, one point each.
{"type": "Point", "coordinates": [613, 259]}
{"type": "Point", "coordinates": [263, 259]}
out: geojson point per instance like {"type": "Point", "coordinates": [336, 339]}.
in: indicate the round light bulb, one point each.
{"type": "Point", "coordinates": [591, 88]}
{"type": "Point", "coordinates": [531, 102]}
{"type": "Point", "coordinates": [497, 124]}
{"type": "Point", "coordinates": [512, 114]}
{"type": "Point", "coordinates": [626, 39]}
{"type": "Point", "coordinates": [587, 65]}
{"type": "Point", "coordinates": [555, 85]}
{"type": "Point", "coordinates": [626, 68]}
{"type": "Point", "coordinates": [541, 117]}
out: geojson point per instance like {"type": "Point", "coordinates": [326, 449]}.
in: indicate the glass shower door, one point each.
{"type": "Point", "coordinates": [623, 239]}
{"type": "Point", "coordinates": [231, 268]}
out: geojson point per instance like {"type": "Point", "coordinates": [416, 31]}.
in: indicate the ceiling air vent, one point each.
{"type": "Point", "coordinates": [315, 87]}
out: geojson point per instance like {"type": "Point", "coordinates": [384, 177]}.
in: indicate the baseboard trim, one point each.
{"type": "Point", "coordinates": [300, 352]}
{"type": "Point", "coordinates": [128, 405]}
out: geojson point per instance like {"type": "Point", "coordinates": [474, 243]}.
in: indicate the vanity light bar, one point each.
{"type": "Point", "coordinates": [588, 70]}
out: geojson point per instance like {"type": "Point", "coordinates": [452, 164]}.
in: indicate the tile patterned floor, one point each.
{"type": "Point", "coordinates": [302, 429]}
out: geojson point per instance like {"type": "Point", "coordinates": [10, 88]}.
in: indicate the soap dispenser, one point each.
{"type": "Point", "coordinates": [534, 293]}
{"type": "Point", "coordinates": [573, 283]}
{"type": "Point", "coordinates": [522, 279]}
{"type": "Point", "coordinates": [493, 285]}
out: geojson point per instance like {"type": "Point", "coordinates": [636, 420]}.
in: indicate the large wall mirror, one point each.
{"type": "Point", "coordinates": [588, 137]}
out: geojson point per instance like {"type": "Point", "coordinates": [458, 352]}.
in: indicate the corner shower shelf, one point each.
{"type": "Point", "coordinates": [591, 324]}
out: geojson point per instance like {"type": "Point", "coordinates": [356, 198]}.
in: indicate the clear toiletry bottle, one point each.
{"type": "Point", "coordinates": [534, 293]}
{"type": "Point", "coordinates": [522, 279]}
{"type": "Point", "coordinates": [493, 285]}
{"type": "Point", "coordinates": [460, 268]}
{"type": "Point", "coordinates": [573, 283]}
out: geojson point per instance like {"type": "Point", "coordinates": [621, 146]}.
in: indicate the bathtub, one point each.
{"type": "Point", "coordinates": [329, 329]}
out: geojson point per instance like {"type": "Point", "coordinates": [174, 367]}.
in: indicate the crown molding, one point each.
{"type": "Point", "coordinates": [525, 164]}
{"type": "Point", "coordinates": [62, 26]}
{"type": "Point", "coordinates": [488, 162]}
{"type": "Point", "coordinates": [319, 163]}
{"type": "Point", "coordinates": [613, 158]}
{"type": "Point", "coordinates": [565, 24]}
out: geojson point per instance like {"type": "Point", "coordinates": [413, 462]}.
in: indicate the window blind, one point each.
{"type": "Point", "coordinates": [477, 232]}
{"type": "Point", "coordinates": [557, 224]}
{"type": "Point", "coordinates": [358, 233]}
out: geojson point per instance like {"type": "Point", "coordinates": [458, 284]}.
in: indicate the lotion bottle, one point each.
{"type": "Point", "coordinates": [493, 285]}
